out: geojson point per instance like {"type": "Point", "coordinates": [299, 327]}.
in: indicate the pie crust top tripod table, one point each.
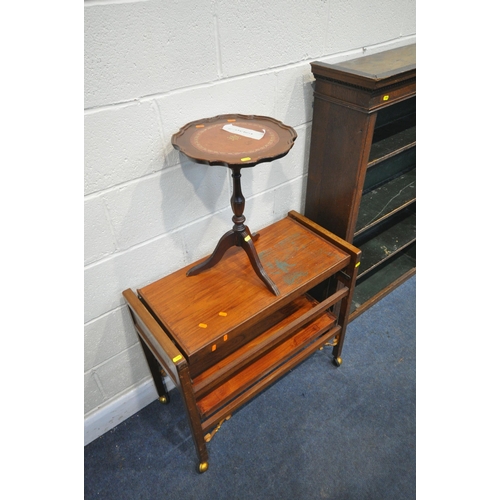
{"type": "Point", "coordinates": [235, 141]}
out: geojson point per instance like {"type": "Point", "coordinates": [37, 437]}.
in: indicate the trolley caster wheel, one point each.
{"type": "Point", "coordinates": [163, 400]}
{"type": "Point", "coordinates": [337, 361]}
{"type": "Point", "coordinates": [203, 467]}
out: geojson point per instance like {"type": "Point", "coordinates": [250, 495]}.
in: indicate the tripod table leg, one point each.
{"type": "Point", "coordinates": [249, 248]}
{"type": "Point", "coordinates": [227, 241]}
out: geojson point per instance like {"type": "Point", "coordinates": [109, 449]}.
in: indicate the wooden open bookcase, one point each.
{"type": "Point", "coordinates": [223, 337]}
{"type": "Point", "coordinates": [362, 165]}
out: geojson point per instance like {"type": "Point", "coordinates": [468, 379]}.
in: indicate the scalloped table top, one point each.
{"type": "Point", "coordinates": [235, 140]}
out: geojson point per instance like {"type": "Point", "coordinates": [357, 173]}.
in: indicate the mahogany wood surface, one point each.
{"type": "Point", "coordinates": [220, 362]}
{"type": "Point", "coordinates": [227, 367]}
{"type": "Point", "coordinates": [363, 150]}
{"type": "Point", "coordinates": [368, 83]}
{"type": "Point", "coordinates": [296, 260]}
{"type": "Point", "coordinates": [153, 335]}
{"type": "Point", "coordinates": [265, 364]}
{"type": "Point", "coordinates": [205, 140]}
{"type": "Point", "coordinates": [375, 70]}
{"type": "Point", "coordinates": [186, 389]}
{"type": "Point", "coordinates": [235, 141]}
{"type": "Point", "coordinates": [337, 167]}
{"type": "Point", "coordinates": [270, 378]}
{"type": "Point", "coordinates": [308, 315]}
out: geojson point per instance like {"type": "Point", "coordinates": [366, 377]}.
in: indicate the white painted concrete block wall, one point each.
{"type": "Point", "coordinates": [150, 67]}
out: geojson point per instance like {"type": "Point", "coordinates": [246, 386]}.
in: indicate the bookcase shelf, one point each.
{"type": "Point", "coordinates": [375, 285]}
{"type": "Point", "coordinates": [384, 201]}
{"type": "Point", "coordinates": [362, 165]}
{"type": "Point", "coordinates": [388, 238]}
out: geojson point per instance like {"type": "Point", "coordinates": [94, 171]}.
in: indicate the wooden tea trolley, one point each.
{"type": "Point", "coordinates": [223, 337]}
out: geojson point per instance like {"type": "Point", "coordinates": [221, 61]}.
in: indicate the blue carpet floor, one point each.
{"type": "Point", "coordinates": [321, 432]}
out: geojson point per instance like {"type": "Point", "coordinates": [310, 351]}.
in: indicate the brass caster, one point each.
{"type": "Point", "coordinates": [337, 361]}
{"type": "Point", "coordinates": [203, 467]}
{"type": "Point", "coordinates": [163, 400]}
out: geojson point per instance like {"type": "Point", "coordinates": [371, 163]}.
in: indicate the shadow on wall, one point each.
{"type": "Point", "coordinates": [194, 195]}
